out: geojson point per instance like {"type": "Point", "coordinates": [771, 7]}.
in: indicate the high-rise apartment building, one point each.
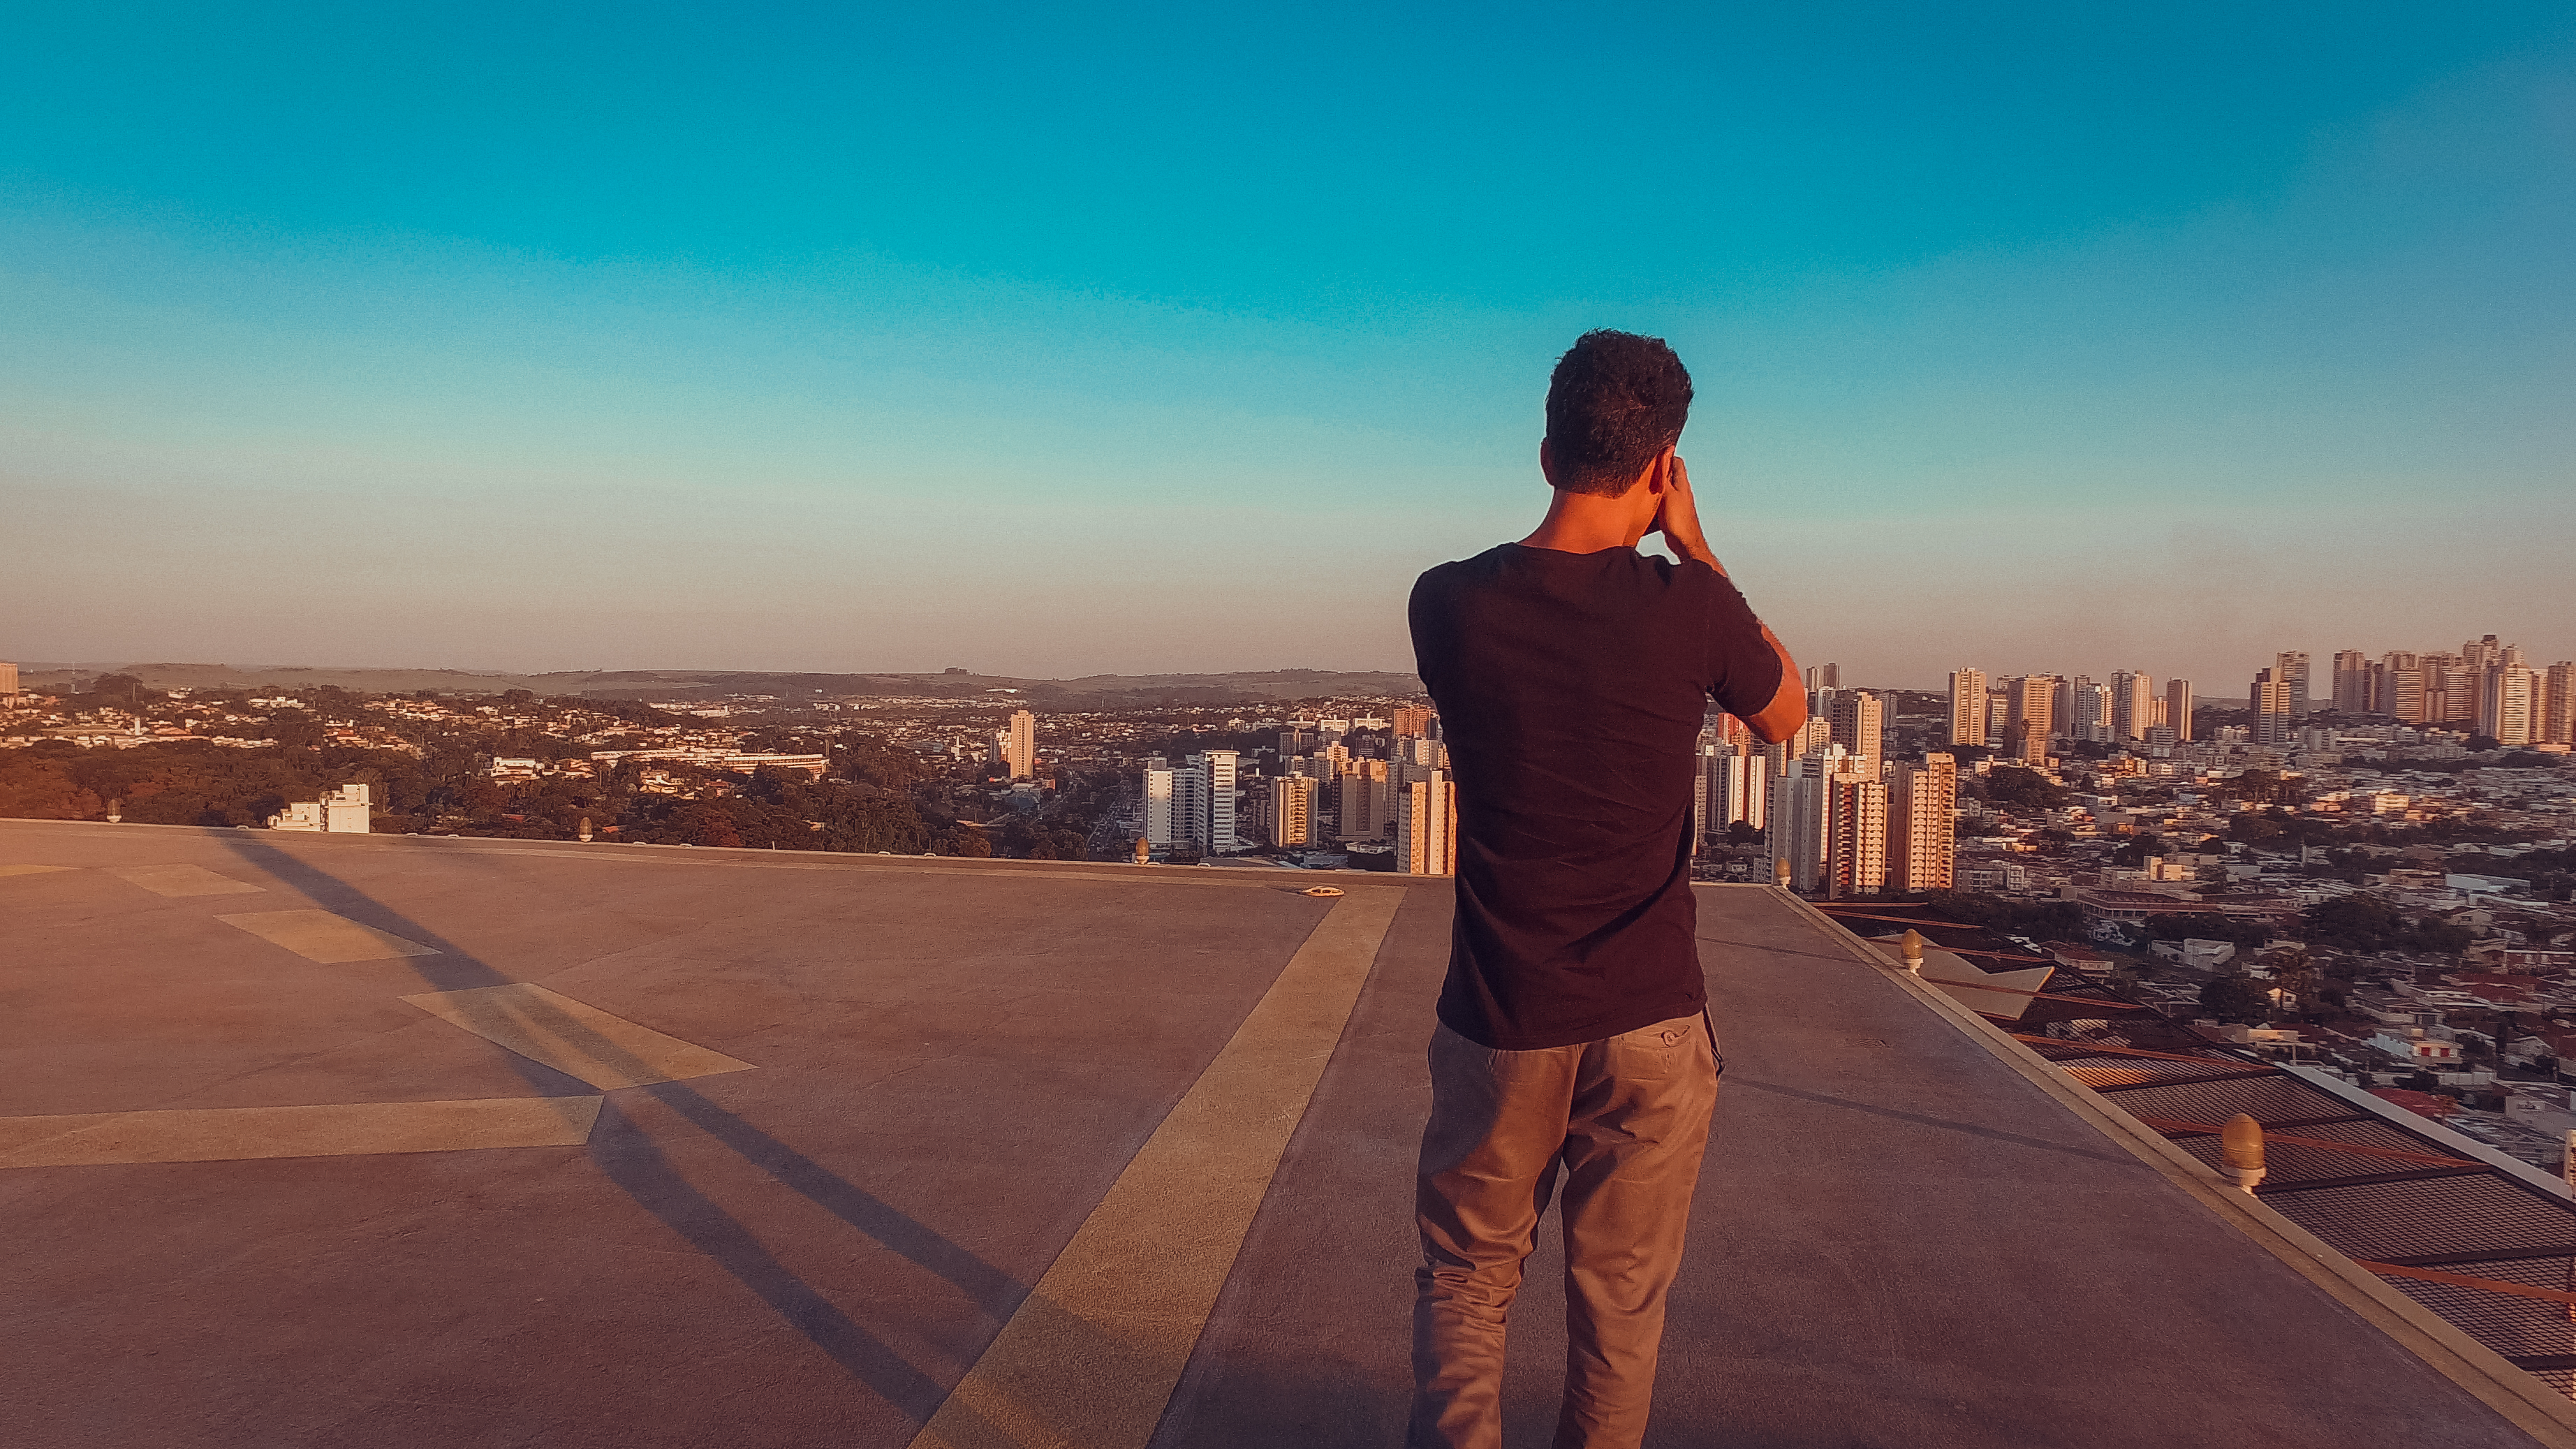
{"type": "Point", "coordinates": [1020, 745]}
{"type": "Point", "coordinates": [2178, 709]}
{"type": "Point", "coordinates": [1158, 807]}
{"type": "Point", "coordinates": [1218, 767]}
{"type": "Point", "coordinates": [2133, 704]}
{"type": "Point", "coordinates": [1192, 804]}
{"type": "Point", "coordinates": [2397, 687]}
{"type": "Point", "coordinates": [8, 681]}
{"type": "Point", "coordinates": [1426, 813]}
{"type": "Point", "coordinates": [1967, 706]}
{"type": "Point", "coordinates": [2290, 669]}
{"type": "Point", "coordinates": [1828, 819]}
{"type": "Point", "coordinates": [1727, 789]}
{"type": "Point", "coordinates": [2270, 701]}
{"type": "Point", "coordinates": [1292, 811]}
{"type": "Point", "coordinates": [1410, 723]}
{"type": "Point", "coordinates": [2351, 682]}
{"type": "Point", "coordinates": [2505, 709]}
{"type": "Point", "coordinates": [1794, 824]}
{"type": "Point", "coordinates": [1811, 737]}
{"type": "Point", "coordinates": [1856, 835]}
{"type": "Point", "coordinates": [1922, 825]}
{"type": "Point", "coordinates": [1727, 730]}
{"type": "Point", "coordinates": [2558, 704]}
{"type": "Point", "coordinates": [2032, 697]}
{"type": "Point", "coordinates": [1366, 799]}
{"type": "Point", "coordinates": [2082, 710]}
{"type": "Point", "coordinates": [1859, 725]}
{"type": "Point", "coordinates": [2451, 685]}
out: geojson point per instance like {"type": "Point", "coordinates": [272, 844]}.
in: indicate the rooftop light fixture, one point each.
{"type": "Point", "coordinates": [2240, 1146]}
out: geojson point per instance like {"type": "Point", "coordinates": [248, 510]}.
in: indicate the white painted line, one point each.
{"type": "Point", "coordinates": [574, 1038]}
{"type": "Point", "coordinates": [230, 1134]}
{"type": "Point", "coordinates": [1092, 1356]}
{"type": "Point", "coordinates": [324, 937]}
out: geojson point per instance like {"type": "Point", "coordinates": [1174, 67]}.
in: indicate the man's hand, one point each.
{"type": "Point", "coordinates": [1677, 516]}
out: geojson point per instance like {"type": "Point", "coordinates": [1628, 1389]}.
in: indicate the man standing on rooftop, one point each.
{"type": "Point", "coordinates": [1572, 674]}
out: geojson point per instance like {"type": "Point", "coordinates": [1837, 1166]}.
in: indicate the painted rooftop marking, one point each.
{"type": "Point", "coordinates": [230, 1134]}
{"type": "Point", "coordinates": [574, 1038]}
{"type": "Point", "coordinates": [324, 937]}
{"type": "Point", "coordinates": [182, 880]}
{"type": "Point", "coordinates": [1093, 1354]}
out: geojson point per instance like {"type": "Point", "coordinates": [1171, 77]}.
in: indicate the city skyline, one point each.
{"type": "Point", "coordinates": [702, 352]}
{"type": "Point", "coordinates": [2318, 686]}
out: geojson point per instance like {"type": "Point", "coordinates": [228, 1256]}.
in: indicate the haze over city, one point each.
{"type": "Point", "coordinates": [1172, 341]}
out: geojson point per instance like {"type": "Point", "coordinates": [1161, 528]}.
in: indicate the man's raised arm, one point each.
{"type": "Point", "coordinates": [1677, 519]}
{"type": "Point", "coordinates": [1786, 714]}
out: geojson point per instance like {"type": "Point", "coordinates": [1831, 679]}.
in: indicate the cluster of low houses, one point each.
{"type": "Point", "coordinates": [2507, 997]}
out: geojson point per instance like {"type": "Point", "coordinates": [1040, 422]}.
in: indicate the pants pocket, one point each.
{"type": "Point", "coordinates": [1659, 1050]}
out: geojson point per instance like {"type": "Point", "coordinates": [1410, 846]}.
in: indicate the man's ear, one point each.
{"type": "Point", "coordinates": [1659, 473]}
{"type": "Point", "coordinates": [1547, 463]}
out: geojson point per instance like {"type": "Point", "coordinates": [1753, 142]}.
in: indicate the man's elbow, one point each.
{"type": "Point", "coordinates": [1781, 721]}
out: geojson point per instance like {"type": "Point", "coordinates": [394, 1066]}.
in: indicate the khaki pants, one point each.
{"type": "Point", "coordinates": [1626, 1120]}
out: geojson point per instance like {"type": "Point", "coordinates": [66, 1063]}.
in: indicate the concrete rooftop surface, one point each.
{"type": "Point", "coordinates": [365, 1140]}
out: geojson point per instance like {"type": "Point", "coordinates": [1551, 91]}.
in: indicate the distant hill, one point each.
{"type": "Point", "coordinates": [1094, 691]}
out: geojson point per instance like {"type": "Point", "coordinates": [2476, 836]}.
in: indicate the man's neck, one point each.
{"type": "Point", "coordinates": [1589, 523]}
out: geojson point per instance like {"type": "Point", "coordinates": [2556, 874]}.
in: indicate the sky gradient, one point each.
{"type": "Point", "coordinates": [1055, 344]}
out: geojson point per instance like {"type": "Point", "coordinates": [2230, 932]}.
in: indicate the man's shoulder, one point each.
{"type": "Point", "coordinates": [1460, 573]}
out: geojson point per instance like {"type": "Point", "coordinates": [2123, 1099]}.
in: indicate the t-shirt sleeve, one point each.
{"type": "Point", "coordinates": [1743, 668]}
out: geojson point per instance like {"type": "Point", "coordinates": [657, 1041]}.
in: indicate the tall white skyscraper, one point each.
{"type": "Point", "coordinates": [2558, 704]}
{"type": "Point", "coordinates": [1366, 800]}
{"type": "Point", "coordinates": [2032, 697]}
{"type": "Point", "coordinates": [1794, 828]}
{"type": "Point", "coordinates": [1922, 825]}
{"type": "Point", "coordinates": [1726, 789]}
{"type": "Point", "coordinates": [1216, 772]}
{"type": "Point", "coordinates": [2271, 700]}
{"type": "Point", "coordinates": [1859, 724]}
{"type": "Point", "coordinates": [2506, 712]}
{"type": "Point", "coordinates": [1292, 810]}
{"type": "Point", "coordinates": [1192, 805]}
{"type": "Point", "coordinates": [1158, 808]}
{"type": "Point", "coordinates": [1828, 820]}
{"type": "Point", "coordinates": [2133, 704]}
{"type": "Point", "coordinates": [1020, 747]}
{"type": "Point", "coordinates": [2084, 710]}
{"type": "Point", "coordinates": [2290, 670]}
{"type": "Point", "coordinates": [1426, 812]}
{"type": "Point", "coordinates": [1967, 707]}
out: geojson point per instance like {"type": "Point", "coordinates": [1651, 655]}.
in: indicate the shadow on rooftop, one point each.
{"type": "Point", "coordinates": [626, 1155]}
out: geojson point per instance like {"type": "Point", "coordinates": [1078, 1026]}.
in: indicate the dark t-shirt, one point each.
{"type": "Point", "coordinates": [1571, 690]}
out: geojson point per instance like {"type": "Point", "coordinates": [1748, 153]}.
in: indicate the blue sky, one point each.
{"type": "Point", "coordinates": [1057, 343]}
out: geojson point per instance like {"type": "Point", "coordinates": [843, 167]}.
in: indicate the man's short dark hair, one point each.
{"type": "Point", "coordinates": [1614, 402]}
